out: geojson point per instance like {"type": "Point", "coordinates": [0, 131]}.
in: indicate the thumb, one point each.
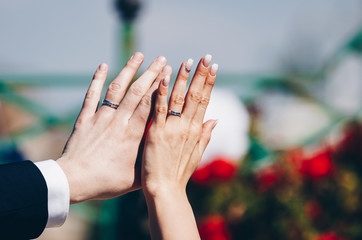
{"type": "Point", "coordinates": [207, 128]}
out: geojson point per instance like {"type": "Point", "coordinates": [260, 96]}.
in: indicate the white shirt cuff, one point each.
{"type": "Point", "coordinates": [58, 192]}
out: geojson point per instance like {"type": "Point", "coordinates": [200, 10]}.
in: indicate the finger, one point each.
{"type": "Point", "coordinates": [195, 92]}
{"type": "Point", "coordinates": [93, 94]}
{"type": "Point", "coordinates": [142, 112]}
{"type": "Point", "coordinates": [118, 87]}
{"type": "Point", "coordinates": [209, 84]}
{"type": "Point", "coordinates": [140, 87]}
{"type": "Point", "coordinates": [160, 112]}
{"type": "Point", "coordinates": [178, 92]}
{"type": "Point", "coordinates": [206, 134]}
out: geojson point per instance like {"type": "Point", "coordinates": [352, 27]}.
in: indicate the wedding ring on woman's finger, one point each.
{"type": "Point", "coordinates": [174, 113]}
{"type": "Point", "coordinates": [109, 104]}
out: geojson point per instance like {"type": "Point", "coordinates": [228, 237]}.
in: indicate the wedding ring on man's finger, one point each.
{"type": "Point", "coordinates": [174, 113]}
{"type": "Point", "coordinates": [109, 104]}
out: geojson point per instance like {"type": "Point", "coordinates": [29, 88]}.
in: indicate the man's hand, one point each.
{"type": "Point", "coordinates": [99, 157]}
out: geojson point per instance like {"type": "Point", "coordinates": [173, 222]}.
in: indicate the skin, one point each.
{"type": "Point", "coordinates": [173, 149]}
{"type": "Point", "coordinates": [99, 157]}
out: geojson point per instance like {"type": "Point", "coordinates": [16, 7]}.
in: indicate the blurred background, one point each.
{"type": "Point", "coordinates": [285, 161]}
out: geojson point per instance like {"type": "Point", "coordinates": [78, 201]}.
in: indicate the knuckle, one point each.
{"type": "Point", "coordinates": [195, 96]}
{"type": "Point", "coordinates": [205, 102]}
{"type": "Point", "coordinates": [196, 131]}
{"type": "Point", "coordinates": [162, 93]}
{"type": "Point", "coordinates": [115, 86]}
{"type": "Point", "coordinates": [90, 94]}
{"type": "Point", "coordinates": [80, 122]}
{"type": "Point", "coordinates": [211, 81]}
{"type": "Point", "coordinates": [98, 75]}
{"type": "Point", "coordinates": [202, 72]}
{"type": "Point", "coordinates": [185, 134]}
{"type": "Point", "coordinates": [136, 90]}
{"type": "Point", "coordinates": [154, 70]}
{"type": "Point", "coordinates": [143, 118]}
{"type": "Point", "coordinates": [113, 123]}
{"type": "Point", "coordinates": [184, 75]}
{"type": "Point", "coordinates": [146, 101]}
{"type": "Point", "coordinates": [131, 64]}
{"type": "Point", "coordinates": [161, 110]}
{"type": "Point", "coordinates": [151, 138]}
{"type": "Point", "coordinates": [153, 135]}
{"type": "Point", "coordinates": [178, 100]}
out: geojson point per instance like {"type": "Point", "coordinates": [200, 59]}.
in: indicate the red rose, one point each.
{"type": "Point", "coordinates": [221, 168]}
{"type": "Point", "coordinates": [329, 236]}
{"type": "Point", "coordinates": [214, 228]}
{"type": "Point", "coordinates": [201, 175]}
{"type": "Point", "coordinates": [318, 166]}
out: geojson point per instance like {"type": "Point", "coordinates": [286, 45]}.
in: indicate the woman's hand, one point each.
{"type": "Point", "coordinates": [99, 157]}
{"type": "Point", "coordinates": [173, 149]}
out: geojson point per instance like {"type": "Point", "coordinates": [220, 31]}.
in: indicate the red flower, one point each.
{"type": "Point", "coordinates": [313, 209]}
{"type": "Point", "coordinates": [318, 166]}
{"type": "Point", "coordinates": [201, 175]}
{"type": "Point", "coordinates": [214, 228]}
{"type": "Point", "coordinates": [267, 178]}
{"type": "Point", "coordinates": [219, 169]}
{"type": "Point", "coordinates": [329, 236]}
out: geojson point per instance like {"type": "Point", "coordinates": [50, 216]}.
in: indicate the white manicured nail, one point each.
{"type": "Point", "coordinates": [189, 65]}
{"type": "Point", "coordinates": [214, 69]}
{"type": "Point", "coordinates": [161, 60]}
{"type": "Point", "coordinates": [207, 60]}
{"type": "Point", "coordinates": [166, 81]}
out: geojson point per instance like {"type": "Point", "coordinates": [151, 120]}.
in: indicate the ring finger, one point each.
{"type": "Point", "coordinates": [177, 98]}
{"type": "Point", "coordinates": [117, 88]}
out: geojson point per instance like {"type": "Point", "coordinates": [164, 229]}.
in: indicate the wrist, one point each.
{"type": "Point", "coordinates": [77, 192]}
{"type": "Point", "coordinates": [159, 191]}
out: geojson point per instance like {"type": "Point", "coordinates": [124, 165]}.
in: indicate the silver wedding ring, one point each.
{"type": "Point", "coordinates": [110, 104]}
{"type": "Point", "coordinates": [174, 113]}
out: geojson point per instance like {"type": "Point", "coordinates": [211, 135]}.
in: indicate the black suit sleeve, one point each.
{"type": "Point", "coordinates": [23, 201]}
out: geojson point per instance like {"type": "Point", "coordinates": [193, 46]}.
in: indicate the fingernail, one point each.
{"type": "Point", "coordinates": [137, 57]}
{"type": "Point", "coordinates": [215, 123]}
{"type": "Point", "coordinates": [189, 65]}
{"type": "Point", "coordinates": [214, 69]}
{"type": "Point", "coordinates": [166, 81]}
{"type": "Point", "coordinates": [207, 60]}
{"type": "Point", "coordinates": [161, 60]}
{"type": "Point", "coordinates": [103, 67]}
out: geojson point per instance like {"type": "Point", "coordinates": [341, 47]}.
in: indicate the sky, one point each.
{"type": "Point", "coordinates": [73, 37]}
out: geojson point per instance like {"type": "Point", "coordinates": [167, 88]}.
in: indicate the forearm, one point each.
{"type": "Point", "coordinates": [171, 216]}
